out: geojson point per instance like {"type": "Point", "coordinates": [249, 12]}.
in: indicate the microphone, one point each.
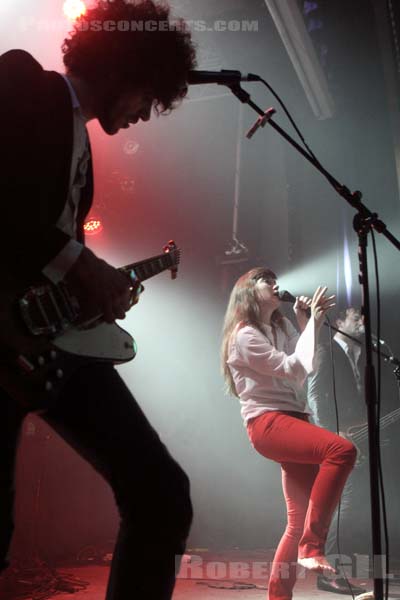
{"type": "Point", "coordinates": [286, 296]}
{"type": "Point", "coordinates": [376, 341]}
{"type": "Point", "coordinates": [224, 77]}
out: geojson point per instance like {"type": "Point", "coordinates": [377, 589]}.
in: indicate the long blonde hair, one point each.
{"type": "Point", "coordinates": [243, 309]}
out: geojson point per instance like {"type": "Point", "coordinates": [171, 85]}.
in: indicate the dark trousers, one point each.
{"type": "Point", "coordinates": [97, 415]}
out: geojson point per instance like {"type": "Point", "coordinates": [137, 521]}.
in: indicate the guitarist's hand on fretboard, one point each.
{"type": "Point", "coordinates": [136, 291]}
{"type": "Point", "coordinates": [99, 287]}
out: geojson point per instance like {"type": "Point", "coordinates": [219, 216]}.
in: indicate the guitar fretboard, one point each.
{"type": "Point", "coordinates": [51, 310]}
{"type": "Point", "coordinates": [154, 265]}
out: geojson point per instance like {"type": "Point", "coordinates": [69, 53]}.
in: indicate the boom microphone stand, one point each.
{"type": "Point", "coordinates": [364, 221]}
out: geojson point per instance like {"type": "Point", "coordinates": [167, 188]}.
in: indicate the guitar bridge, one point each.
{"type": "Point", "coordinates": [48, 309]}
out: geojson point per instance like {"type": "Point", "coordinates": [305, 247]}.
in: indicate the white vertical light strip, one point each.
{"type": "Point", "coordinates": [291, 27]}
{"type": "Point", "coordinates": [348, 276]}
{"type": "Point", "coordinates": [338, 261]}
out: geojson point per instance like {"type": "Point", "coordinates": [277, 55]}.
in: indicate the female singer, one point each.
{"type": "Point", "coordinates": [265, 363]}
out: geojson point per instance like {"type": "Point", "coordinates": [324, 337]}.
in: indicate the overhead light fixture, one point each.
{"type": "Point", "coordinates": [93, 226]}
{"type": "Point", "coordinates": [73, 9]}
{"type": "Point", "coordinates": [291, 27]}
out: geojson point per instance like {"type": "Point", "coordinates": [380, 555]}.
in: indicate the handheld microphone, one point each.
{"type": "Point", "coordinates": [224, 77]}
{"type": "Point", "coordinates": [286, 296]}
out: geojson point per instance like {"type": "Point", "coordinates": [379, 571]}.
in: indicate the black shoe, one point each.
{"type": "Point", "coordinates": [338, 586]}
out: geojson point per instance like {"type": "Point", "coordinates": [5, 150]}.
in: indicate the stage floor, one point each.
{"type": "Point", "coordinates": [233, 575]}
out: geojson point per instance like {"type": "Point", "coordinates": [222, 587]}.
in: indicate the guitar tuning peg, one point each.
{"type": "Point", "coordinates": [170, 246]}
{"type": "Point", "coordinates": [41, 361]}
{"type": "Point", "coordinates": [53, 355]}
{"type": "Point", "coordinates": [48, 386]}
{"type": "Point", "coordinates": [168, 249]}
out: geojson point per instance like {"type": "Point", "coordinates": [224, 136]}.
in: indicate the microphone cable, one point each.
{"type": "Point", "coordinates": [291, 119]}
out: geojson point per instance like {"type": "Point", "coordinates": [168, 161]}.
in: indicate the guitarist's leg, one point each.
{"type": "Point", "coordinates": [11, 417]}
{"type": "Point", "coordinates": [98, 416]}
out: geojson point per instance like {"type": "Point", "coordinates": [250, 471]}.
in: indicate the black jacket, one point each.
{"type": "Point", "coordinates": [350, 400]}
{"type": "Point", "coordinates": [36, 125]}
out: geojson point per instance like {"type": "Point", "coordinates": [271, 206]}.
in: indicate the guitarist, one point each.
{"type": "Point", "coordinates": [46, 183]}
{"type": "Point", "coordinates": [347, 360]}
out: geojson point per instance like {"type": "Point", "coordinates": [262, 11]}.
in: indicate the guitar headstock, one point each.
{"type": "Point", "coordinates": [175, 254]}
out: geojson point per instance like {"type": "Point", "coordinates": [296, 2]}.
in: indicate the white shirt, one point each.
{"type": "Point", "coordinates": [56, 269]}
{"type": "Point", "coordinates": [269, 377]}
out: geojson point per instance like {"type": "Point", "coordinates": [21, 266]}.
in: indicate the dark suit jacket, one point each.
{"type": "Point", "coordinates": [36, 125]}
{"type": "Point", "coordinates": [351, 405]}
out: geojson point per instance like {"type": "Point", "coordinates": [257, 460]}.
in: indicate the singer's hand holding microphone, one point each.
{"type": "Point", "coordinates": [304, 307]}
{"type": "Point", "coordinates": [302, 310]}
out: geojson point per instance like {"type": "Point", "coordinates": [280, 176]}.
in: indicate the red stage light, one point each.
{"type": "Point", "coordinates": [73, 9]}
{"type": "Point", "coordinates": [93, 226]}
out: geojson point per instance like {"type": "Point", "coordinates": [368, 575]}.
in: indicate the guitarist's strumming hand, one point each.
{"type": "Point", "coordinates": [100, 288]}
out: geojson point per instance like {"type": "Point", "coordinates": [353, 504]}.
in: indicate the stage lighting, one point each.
{"type": "Point", "coordinates": [93, 226]}
{"type": "Point", "coordinates": [73, 9]}
{"type": "Point", "coordinates": [290, 25]}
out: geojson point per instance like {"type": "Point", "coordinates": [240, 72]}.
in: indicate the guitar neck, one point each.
{"type": "Point", "coordinates": [50, 309]}
{"type": "Point", "coordinates": [145, 269]}
{"type": "Point", "coordinates": [384, 422]}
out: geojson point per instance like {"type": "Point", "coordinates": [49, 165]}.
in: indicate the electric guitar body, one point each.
{"type": "Point", "coordinates": [44, 338]}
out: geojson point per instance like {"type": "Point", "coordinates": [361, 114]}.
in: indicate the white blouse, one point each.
{"type": "Point", "coordinates": [268, 376]}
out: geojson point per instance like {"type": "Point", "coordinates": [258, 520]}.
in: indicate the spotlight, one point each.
{"type": "Point", "coordinates": [93, 226]}
{"type": "Point", "coordinates": [73, 9]}
{"type": "Point", "coordinates": [290, 24]}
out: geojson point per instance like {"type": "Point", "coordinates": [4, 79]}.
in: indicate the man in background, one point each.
{"type": "Point", "coordinates": [346, 353]}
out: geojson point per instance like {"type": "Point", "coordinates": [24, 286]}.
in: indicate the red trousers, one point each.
{"type": "Point", "coordinates": [315, 464]}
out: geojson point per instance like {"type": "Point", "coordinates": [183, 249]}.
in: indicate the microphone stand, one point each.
{"type": "Point", "coordinates": [386, 357]}
{"type": "Point", "coordinates": [364, 221]}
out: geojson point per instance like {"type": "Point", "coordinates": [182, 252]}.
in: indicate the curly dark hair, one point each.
{"type": "Point", "coordinates": [138, 43]}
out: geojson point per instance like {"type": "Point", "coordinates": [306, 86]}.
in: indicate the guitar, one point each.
{"type": "Point", "coordinates": [359, 433]}
{"type": "Point", "coordinates": [44, 338]}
